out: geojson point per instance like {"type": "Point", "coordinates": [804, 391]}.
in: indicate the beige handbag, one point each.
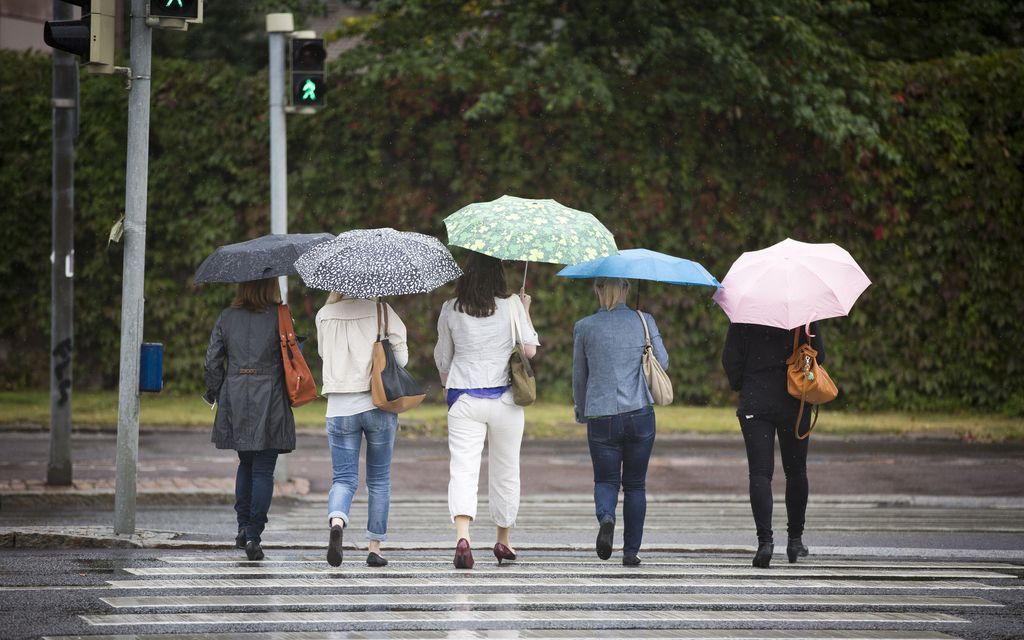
{"type": "Point", "coordinates": [657, 380]}
{"type": "Point", "coordinates": [521, 378]}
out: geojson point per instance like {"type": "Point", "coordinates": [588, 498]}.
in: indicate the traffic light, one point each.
{"type": "Point", "coordinates": [307, 72]}
{"type": "Point", "coordinates": [91, 37]}
{"type": "Point", "coordinates": [174, 14]}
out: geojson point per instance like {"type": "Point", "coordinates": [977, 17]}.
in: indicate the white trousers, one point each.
{"type": "Point", "coordinates": [470, 422]}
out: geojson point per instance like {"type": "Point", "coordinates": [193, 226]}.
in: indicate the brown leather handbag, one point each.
{"type": "Point", "coordinates": [807, 381]}
{"type": "Point", "coordinates": [297, 377]}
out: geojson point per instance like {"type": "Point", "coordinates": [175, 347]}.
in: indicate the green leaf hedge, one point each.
{"type": "Point", "coordinates": [936, 224]}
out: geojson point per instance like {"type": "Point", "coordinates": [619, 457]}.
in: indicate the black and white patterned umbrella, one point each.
{"type": "Point", "coordinates": [263, 257]}
{"type": "Point", "coordinates": [367, 263]}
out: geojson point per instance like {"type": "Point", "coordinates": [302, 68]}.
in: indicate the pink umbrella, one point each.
{"type": "Point", "coordinates": [791, 284]}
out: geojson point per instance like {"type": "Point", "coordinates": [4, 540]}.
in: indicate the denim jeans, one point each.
{"type": "Point", "coordinates": [254, 487]}
{"type": "Point", "coordinates": [620, 448]}
{"type": "Point", "coordinates": [345, 434]}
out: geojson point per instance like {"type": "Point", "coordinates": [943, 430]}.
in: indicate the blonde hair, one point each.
{"type": "Point", "coordinates": [334, 296]}
{"type": "Point", "coordinates": [611, 291]}
{"type": "Point", "coordinates": [257, 295]}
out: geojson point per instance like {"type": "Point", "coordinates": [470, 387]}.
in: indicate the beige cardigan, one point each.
{"type": "Point", "coordinates": [346, 331]}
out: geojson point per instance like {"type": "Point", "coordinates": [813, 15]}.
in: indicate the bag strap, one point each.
{"type": "Point", "coordinates": [512, 323]}
{"type": "Point", "coordinates": [382, 310]}
{"type": "Point", "coordinates": [647, 333]}
{"type": "Point", "coordinates": [285, 329]}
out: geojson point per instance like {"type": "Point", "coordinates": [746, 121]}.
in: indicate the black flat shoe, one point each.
{"type": "Point", "coordinates": [763, 557]}
{"type": "Point", "coordinates": [240, 539]}
{"type": "Point", "coordinates": [253, 550]}
{"type": "Point", "coordinates": [374, 560]}
{"type": "Point", "coordinates": [630, 561]}
{"type": "Point", "coordinates": [796, 549]}
{"type": "Point", "coordinates": [604, 539]}
{"type": "Point", "coordinates": [334, 551]}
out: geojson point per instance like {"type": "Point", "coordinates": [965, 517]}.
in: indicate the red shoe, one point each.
{"type": "Point", "coordinates": [463, 555]}
{"type": "Point", "coordinates": [501, 552]}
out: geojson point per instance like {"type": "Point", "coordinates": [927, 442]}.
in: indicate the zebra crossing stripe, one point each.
{"type": "Point", "coordinates": [552, 634]}
{"type": "Point", "coordinates": [582, 570]}
{"type": "Point", "coordinates": [475, 583]}
{"type": "Point", "coordinates": [514, 619]}
{"type": "Point", "coordinates": [547, 600]}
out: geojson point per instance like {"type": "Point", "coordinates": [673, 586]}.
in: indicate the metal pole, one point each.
{"type": "Point", "coordinates": [132, 287]}
{"type": "Point", "coordinates": [62, 269]}
{"type": "Point", "coordinates": [278, 26]}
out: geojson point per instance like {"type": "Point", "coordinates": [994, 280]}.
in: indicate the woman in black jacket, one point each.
{"type": "Point", "coordinates": [254, 415]}
{"type": "Point", "coordinates": [755, 363]}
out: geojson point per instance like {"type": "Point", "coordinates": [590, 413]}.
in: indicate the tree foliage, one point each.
{"type": "Point", "coordinates": [704, 137]}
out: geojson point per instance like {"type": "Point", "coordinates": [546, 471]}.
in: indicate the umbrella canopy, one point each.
{"type": "Point", "coordinates": [259, 258]}
{"type": "Point", "coordinates": [791, 284]}
{"type": "Point", "coordinates": [643, 264]}
{"type": "Point", "coordinates": [512, 228]}
{"type": "Point", "coordinates": [367, 263]}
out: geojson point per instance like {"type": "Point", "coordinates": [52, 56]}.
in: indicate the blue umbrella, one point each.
{"type": "Point", "coordinates": [643, 264]}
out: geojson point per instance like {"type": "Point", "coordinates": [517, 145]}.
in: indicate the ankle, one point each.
{"type": "Point", "coordinates": [338, 522]}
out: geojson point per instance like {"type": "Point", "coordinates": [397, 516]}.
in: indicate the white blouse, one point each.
{"type": "Point", "coordinates": [474, 351]}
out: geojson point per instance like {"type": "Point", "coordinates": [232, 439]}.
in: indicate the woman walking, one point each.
{"type": "Point", "coordinates": [254, 415]}
{"type": "Point", "coordinates": [474, 341]}
{"type": "Point", "coordinates": [754, 359]}
{"type": "Point", "coordinates": [611, 396]}
{"type": "Point", "coordinates": [346, 330]}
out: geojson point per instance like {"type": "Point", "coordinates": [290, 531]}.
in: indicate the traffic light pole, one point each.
{"type": "Point", "coordinates": [133, 281]}
{"type": "Point", "coordinates": [65, 119]}
{"type": "Point", "coordinates": [278, 26]}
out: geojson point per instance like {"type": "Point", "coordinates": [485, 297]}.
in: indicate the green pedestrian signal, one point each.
{"type": "Point", "coordinates": [306, 69]}
{"type": "Point", "coordinates": [182, 9]}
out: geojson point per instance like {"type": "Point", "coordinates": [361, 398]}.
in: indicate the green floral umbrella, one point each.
{"type": "Point", "coordinates": [514, 228]}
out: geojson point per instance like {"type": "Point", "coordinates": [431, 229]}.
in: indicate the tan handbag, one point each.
{"type": "Point", "coordinates": [657, 380]}
{"type": "Point", "coordinates": [392, 388]}
{"type": "Point", "coordinates": [297, 377]}
{"type": "Point", "coordinates": [523, 382]}
{"type": "Point", "coordinates": [807, 381]}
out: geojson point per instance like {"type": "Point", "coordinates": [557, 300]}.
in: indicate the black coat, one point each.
{"type": "Point", "coordinates": [754, 359]}
{"type": "Point", "coordinates": [253, 411]}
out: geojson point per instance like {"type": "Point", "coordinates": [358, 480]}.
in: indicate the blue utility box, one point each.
{"type": "Point", "coordinates": [151, 367]}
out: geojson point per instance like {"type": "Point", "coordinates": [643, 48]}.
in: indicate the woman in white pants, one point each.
{"type": "Point", "coordinates": [474, 341]}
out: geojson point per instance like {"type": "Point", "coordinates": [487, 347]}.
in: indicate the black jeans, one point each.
{"type": "Point", "coordinates": [254, 487]}
{"type": "Point", "coordinates": [759, 436]}
{"type": "Point", "coordinates": [620, 449]}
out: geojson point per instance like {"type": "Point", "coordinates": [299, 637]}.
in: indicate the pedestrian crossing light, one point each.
{"type": "Point", "coordinates": [91, 37]}
{"type": "Point", "coordinates": [307, 72]}
{"type": "Point", "coordinates": [174, 14]}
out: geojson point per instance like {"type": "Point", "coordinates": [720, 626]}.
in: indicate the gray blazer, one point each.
{"type": "Point", "coordinates": [607, 378]}
{"type": "Point", "coordinates": [253, 411]}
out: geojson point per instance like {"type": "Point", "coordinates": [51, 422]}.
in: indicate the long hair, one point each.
{"type": "Point", "coordinates": [257, 295]}
{"type": "Point", "coordinates": [611, 291]}
{"type": "Point", "coordinates": [483, 280]}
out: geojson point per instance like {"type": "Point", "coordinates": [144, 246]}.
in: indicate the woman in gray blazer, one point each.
{"type": "Point", "coordinates": [254, 415]}
{"type": "Point", "coordinates": [611, 396]}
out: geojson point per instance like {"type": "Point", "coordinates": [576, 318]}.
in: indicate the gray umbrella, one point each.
{"type": "Point", "coordinates": [367, 263]}
{"type": "Point", "coordinates": [263, 257]}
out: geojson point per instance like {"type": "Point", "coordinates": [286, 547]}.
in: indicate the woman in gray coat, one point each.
{"type": "Point", "coordinates": [254, 415]}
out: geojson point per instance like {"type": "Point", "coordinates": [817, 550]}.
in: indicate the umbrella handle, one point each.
{"type": "Point", "coordinates": [526, 265]}
{"type": "Point", "coordinates": [807, 330]}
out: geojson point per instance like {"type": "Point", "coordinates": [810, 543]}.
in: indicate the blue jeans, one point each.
{"type": "Point", "coordinates": [620, 448]}
{"type": "Point", "coordinates": [345, 434]}
{"type": "Point", "coordinates": [254, 487]}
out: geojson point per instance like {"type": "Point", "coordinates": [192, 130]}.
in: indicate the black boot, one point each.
{"type": "Point", "coordinates": [604, 539]}
{"type": "Point", "coordinates": [764, 555]}
{"type": "Point", "coordinates": [796, 549]}
{"type": "Point", "coordinates": [253, 550]}
{"type": "Point", "coordinates": [240, 538]}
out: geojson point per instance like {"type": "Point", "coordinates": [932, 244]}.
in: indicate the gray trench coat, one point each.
{"type": "Point", "coordinates": [253, 411]}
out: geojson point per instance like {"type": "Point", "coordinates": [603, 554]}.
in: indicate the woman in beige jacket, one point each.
{"type": "Point", "coordinates": [346, 330]}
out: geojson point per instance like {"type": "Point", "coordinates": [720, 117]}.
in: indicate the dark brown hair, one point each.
{"type": "Point", "coordinates": [483, 280]}
{"type": "Point", "coordinates": [257, 295]}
